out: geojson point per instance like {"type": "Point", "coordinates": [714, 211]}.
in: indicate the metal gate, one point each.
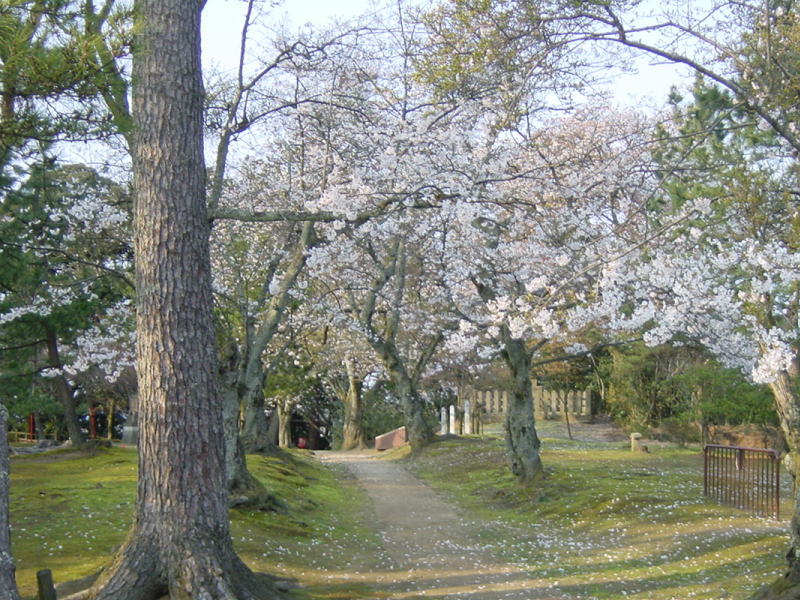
{"type": "Point", "coordinates": [747, 478]}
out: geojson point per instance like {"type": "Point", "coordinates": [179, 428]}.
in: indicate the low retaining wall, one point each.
{"type": "Point", "coordinates": [391, 439]}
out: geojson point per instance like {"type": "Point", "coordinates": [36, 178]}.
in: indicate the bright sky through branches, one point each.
{"type": "Point", "coordinates": [222, 22]}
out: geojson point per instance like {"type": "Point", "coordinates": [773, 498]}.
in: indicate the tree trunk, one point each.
{"type": "Point", "coordinates": [353, 430]}
{"type": "Point", "coordinates": [8, 585]}
{"type": "Point", "coordinates": [787, 402]}
{"type": "Point", "coordinates": [63, 392]}
{"type": "Point", "coordinates": [180, 542]}
{"type": "Point", "coordinates": [418, 433]}
{"type": "Point", "coordinates": [255, 432]}
{"type": "Point", "coordinates": [272, 429]}
{"type": "Point", "coordinates": [475, 417]}
{"type": "Point", "coordinates": [244, 489]}
{"type": "Point", "coordinates": [785, 389]}
{"type": "Point", "coordinates": [112, 407]}
{"type": "Point", "coordinates": [284, 407]}
{"type": "Point", "coordinates": [563, 396]}
{"type": "Point", "coordinates": [522, 442]}
{"type": "Point", "coordinates": [255, 429]}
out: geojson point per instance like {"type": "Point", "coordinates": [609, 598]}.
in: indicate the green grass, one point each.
{"type": "Point", "coordinates": [605, 522]}
{"type": "Point", "coordinates": [609, 523]}
{"type": "Point", "coordinates": [69, 511]}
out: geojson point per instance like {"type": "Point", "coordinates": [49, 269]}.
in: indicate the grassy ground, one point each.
{"type": "Point", "coordinates": [69, 511]}
{"type": "Point", "coordinates": [606, 523]}
{"type": "Point", "coordinates": [609, 523]}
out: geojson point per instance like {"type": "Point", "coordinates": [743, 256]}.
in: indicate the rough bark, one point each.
{"type": "Point", "coordinates": [353, 428]}
{"type": "Point", "coordinates": [180, 542]}
{"type": "Point", "coordinates": [522, 441]}
{"type": "Point", "coordinates": [63, 392]}
{"type": "Point", "coordinates": [8, 584]}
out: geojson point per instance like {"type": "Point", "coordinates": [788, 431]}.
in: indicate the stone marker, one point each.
{"type": "Point", "coordinates": [636, 445]}
{"type": "Point", "coordinates": [467, 418]}
{"type": "Point", "coordinates": [443, 421]}
{"type": "Point", "coordinates": [452, 418]}
{"type": "Point", "coordinates": [44, 581]}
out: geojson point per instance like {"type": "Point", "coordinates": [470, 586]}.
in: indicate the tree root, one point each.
{"type": "Point", "coordinates": [189, 568]}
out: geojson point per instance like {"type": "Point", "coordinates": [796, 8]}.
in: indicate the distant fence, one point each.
{"type": "Point", "coordinates": [747, 478]}
{"type": "Point", "coordinates": [547, 404]}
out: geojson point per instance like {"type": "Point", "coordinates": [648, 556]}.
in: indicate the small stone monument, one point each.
{"type": "Point", "coordinates": [467, 419]}
{"type": "Point", "coordinates": [443, 421]}
{"type": "Point", "coordinates": [452, 418]}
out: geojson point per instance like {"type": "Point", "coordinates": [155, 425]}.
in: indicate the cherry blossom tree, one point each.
{"type": "Point", "coordinates": [728, 279]}
{"type": "Point", "coordinates": [344, 361]}
{"type": "Point", "coordinates": [526, 258]}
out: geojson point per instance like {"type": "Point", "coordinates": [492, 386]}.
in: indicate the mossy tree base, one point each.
{"type": "Point", "coordinates": [783, 588]}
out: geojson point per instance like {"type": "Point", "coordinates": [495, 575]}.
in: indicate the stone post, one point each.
{"type": "Point", "coordinates": [467, 418]}
{"type": "Point", "coordinates": [443, 421]}
{"type": "Point", "coordinates": [452, 418]}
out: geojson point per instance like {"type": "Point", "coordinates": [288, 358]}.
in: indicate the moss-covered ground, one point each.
{"type": "Point", "coordinates": [609, 523]}
{"type": "Point", "coordinates": [70, 510]}
{"type": "Point", "coordinates": [604, 523]}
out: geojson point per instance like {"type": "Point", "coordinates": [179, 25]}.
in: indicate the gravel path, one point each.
{"type": "Point", "coordinates": [427, 542]}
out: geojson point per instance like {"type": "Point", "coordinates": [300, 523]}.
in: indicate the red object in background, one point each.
{"type": "Point", "coordinates": [93, 423]}
{"type": "Point", "coordinates": [31, 426]}
{"type": "Point", "coordinates": [302, 443]}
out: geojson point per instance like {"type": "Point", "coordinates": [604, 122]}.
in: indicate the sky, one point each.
{"type": "Point", "coordinates": [222, 22]}
{"type": "Point", "coordinates": [222, 19]}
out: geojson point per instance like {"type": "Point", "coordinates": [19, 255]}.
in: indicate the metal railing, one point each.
{"type": "Point", "coordinates": [747, 478]}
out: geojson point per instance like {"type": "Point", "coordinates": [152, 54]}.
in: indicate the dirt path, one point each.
{"type": "Point", "coordinates": [428, 545]}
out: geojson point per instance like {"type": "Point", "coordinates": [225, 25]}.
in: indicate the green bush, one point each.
{"type": "Point", "coordinates": [679, 388]}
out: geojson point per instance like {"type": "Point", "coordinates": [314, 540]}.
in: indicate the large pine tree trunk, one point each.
{"type": "Point", "coordinates": [180, 542]}
{"type": "Point", "coordinates": [353, 430]}
{"type": "Point", "coordinates": [522, 442]}
{"type": "Point", "coordinates": [8, 585]}
{"type": "Point", "coordinates": [786, 390]}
